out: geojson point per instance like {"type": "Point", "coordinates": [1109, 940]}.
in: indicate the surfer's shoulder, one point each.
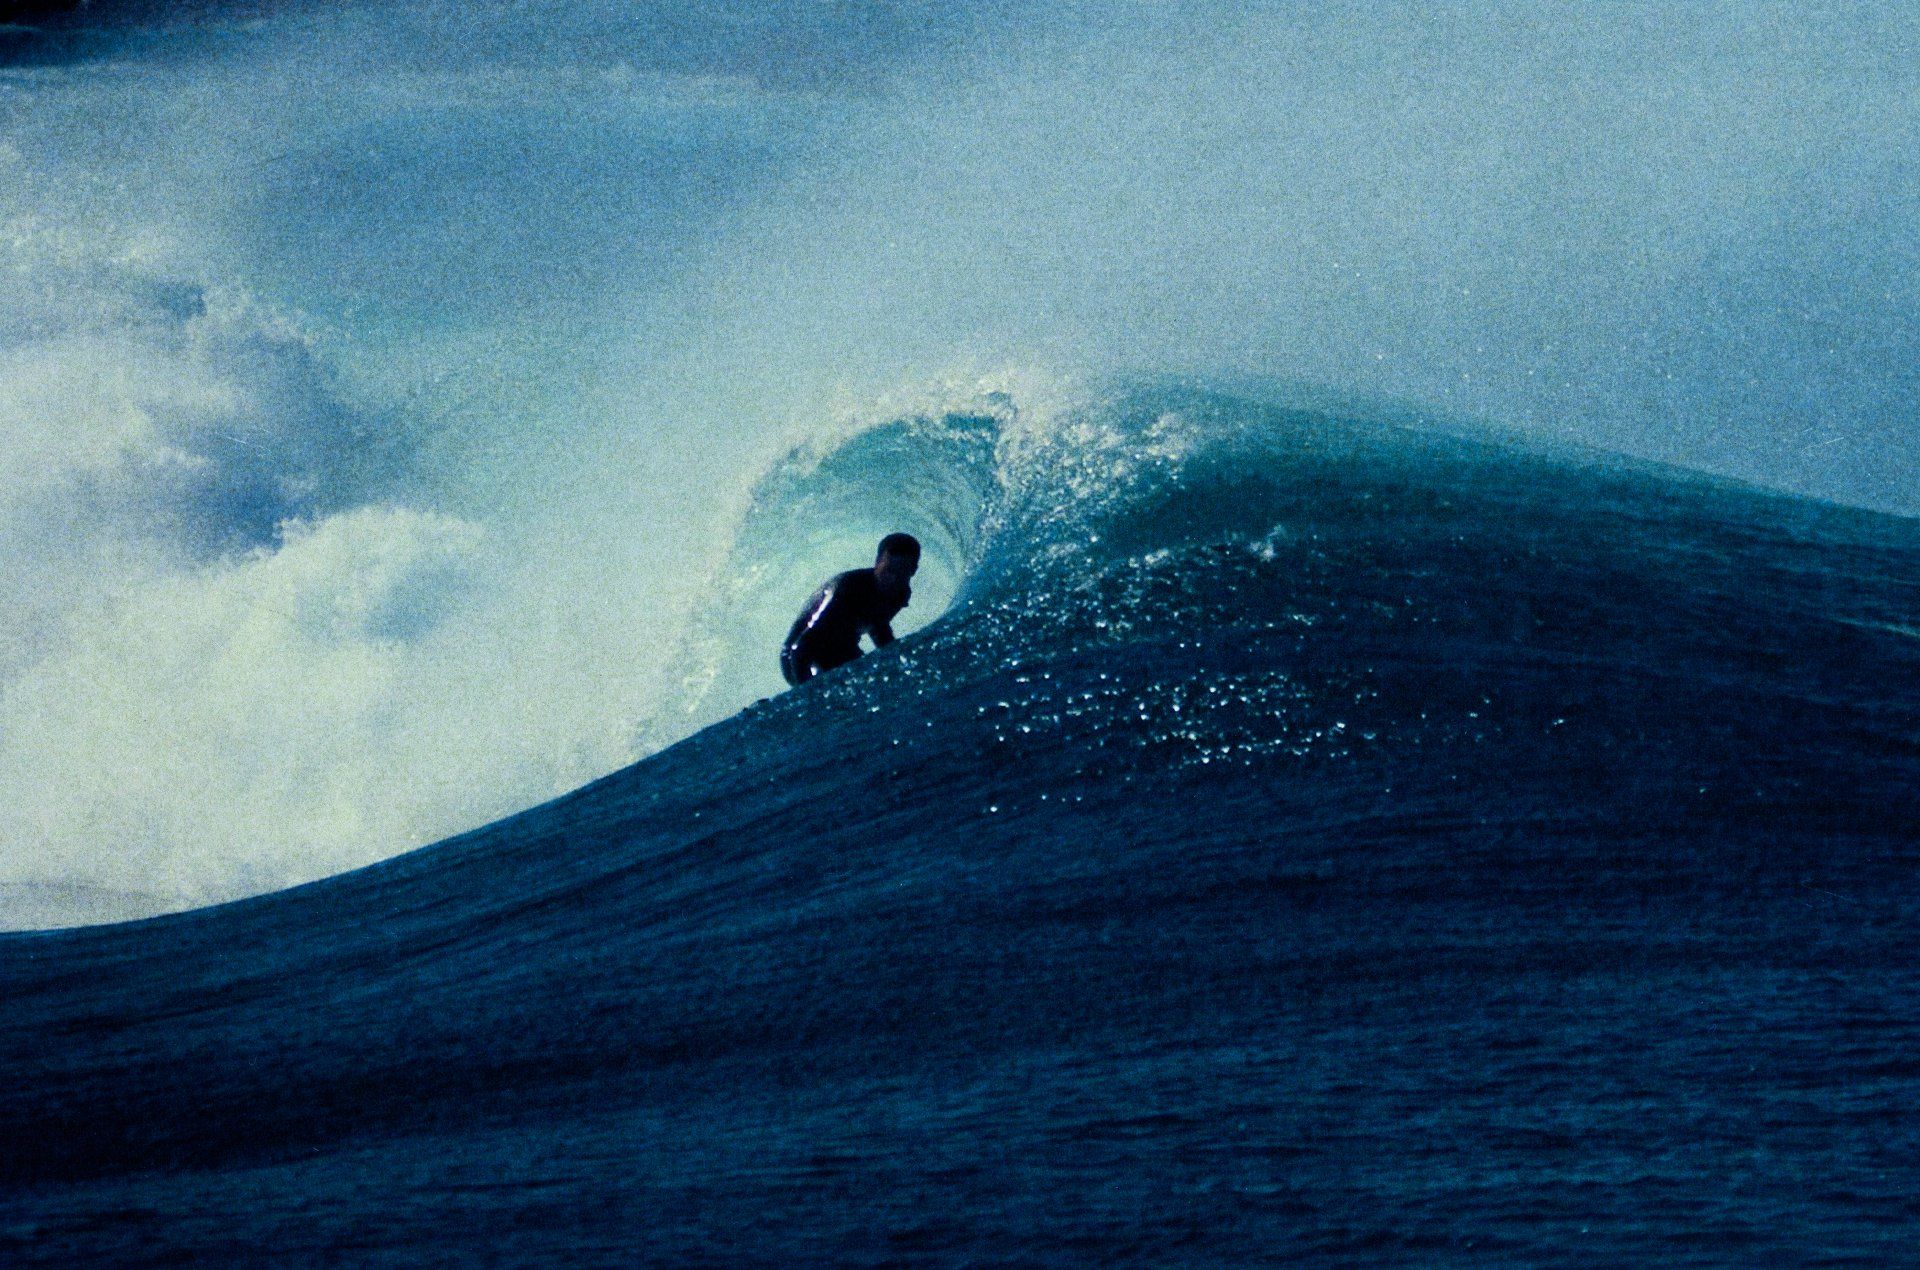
{"type": "Point", "coordinates": [853, 582]}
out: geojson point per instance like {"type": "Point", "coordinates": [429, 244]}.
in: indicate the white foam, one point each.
{"type": "Point", "coordinates": [241, 726]}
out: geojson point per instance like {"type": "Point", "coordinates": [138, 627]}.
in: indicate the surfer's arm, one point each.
{"type": "Point", "coordinates": [796, 661]}
{"type": "Point", "coordinates": [881, 633]}
{"type": "Point", "coordinates": [812, 615]}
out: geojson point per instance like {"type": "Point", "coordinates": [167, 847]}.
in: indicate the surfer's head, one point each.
{"type": "Point", "coordinates": [894, 564]}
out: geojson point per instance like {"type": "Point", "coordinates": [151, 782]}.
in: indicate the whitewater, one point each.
{"type": "Point", "coordinates": [1405, 740]}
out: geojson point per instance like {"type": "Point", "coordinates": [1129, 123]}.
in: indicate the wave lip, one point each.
{"type": "Point", "coordinates": [1162, 503]}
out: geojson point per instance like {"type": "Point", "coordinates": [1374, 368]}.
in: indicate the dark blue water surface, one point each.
{"type": "Point", "coordinates": [1302, 838]}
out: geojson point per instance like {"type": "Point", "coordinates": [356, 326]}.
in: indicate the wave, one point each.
{"type": "Point", "coordinates": [1295, 804]}
{"type": "Point", "coordinates": [574, 276]}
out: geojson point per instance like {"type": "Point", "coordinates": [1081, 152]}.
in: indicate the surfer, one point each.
{"type": "Point", "coordinates": [851, 604]}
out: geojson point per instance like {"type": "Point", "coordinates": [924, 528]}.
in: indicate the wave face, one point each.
{"type": "Point", "coordinates": [1301, 835]}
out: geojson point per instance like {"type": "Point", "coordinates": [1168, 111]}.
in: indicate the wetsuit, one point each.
{"type": "Point", "coordinates": [828, 631]}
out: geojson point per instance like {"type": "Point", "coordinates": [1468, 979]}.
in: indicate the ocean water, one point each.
{"type": "Point", "coordinates": [1403, 748]}
{"type": "Point", "coordinates": [1302, 836]}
